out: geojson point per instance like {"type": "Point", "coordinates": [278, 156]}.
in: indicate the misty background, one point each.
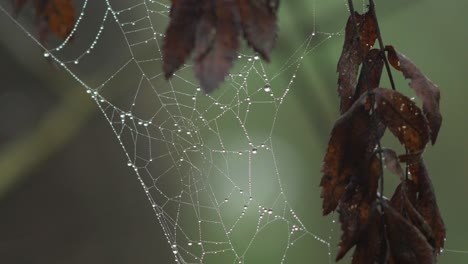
{"type": "Point", "coordinates": [68, 196]}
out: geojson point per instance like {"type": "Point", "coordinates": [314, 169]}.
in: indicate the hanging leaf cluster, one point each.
{"type": "Point", "coordinates": [210, 30]}
{"type": "Point", "coordinates": [408, 227]}
{"type": "Point", "coordinates": [53, 16]}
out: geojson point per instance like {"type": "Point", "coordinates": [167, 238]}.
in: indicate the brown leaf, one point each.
{"type": "Point", "coordinates": [211, 28]}
{"type": "Point", "coordinates": [407, 244]}
{"type": "Point", "coordinates": [350, 149]}
{"type": "Point", "coordinates": [60, 16]}
{"type": "Point", "coordinates": [426, 203]}
{"type": "Point", "coordinates": [352, 55]}
{"type": "Point", "coordinates": [212, 66]}
{"type": "Point", "coordinates": [371, 72]}
{"type": "Point", "coordinates": [357, 205]}
{"type": "Point", "coordinates": [392, 57]}
{"type": "Point", "coordinates": [403, 204]}
{"type": "Point", "coordinates": [185, 16]}
{"type": "Point", "coordinates": [56, 16]}
{"type": "Point", "coordinates": [404, 119]}
{"type": "Point", "coordinates": [259, 24]}
{"type": "Point", "coordinates": [411, 194]}
{"type": "Point", "coordinates": [371, 247]}
{"type": "Point", "coordinates": [425, 89]}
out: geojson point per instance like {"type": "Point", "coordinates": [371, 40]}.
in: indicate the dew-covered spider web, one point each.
{"type": "Point", "coordinates": [212, 166]}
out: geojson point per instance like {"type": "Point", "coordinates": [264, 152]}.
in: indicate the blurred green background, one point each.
{"type": "Point", "coordinates": [67, 195]}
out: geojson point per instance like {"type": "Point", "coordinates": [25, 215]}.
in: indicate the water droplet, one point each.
{"type": "Point", "coordinates": [46, 54]}
{"type": "Point", "coordinates": [254, 151]}
{"type": "Point", "coordinates": [267, 88]}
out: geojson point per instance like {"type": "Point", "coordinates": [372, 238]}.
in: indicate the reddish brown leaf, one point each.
{"type": "Point", "coordinates": [426, 203]}
{"type": "Point", "coordinates": [259, 24]}
{"type": "Point", "coordinates": [56, 16]}
{"type": "Point", "coordinates": [185, 16]}
{"type": "Point", "coordinates": [371, 247]}
{"type": "Point", "coordinates": [211, 28]}
{"type": "Point", "coordinates": [350, 149]}
{"type": "Point", "coordinates": [212, 65]}
{"type": "Point", "coordinates": [403, 204]}
{"type": "Point", "coordinates": [392, 57]}
{"type": "Point", "coordinates": [371, 71]}
{"type": "Point", "coordinates": [425, 89]}
{"type": "Point", "coordinates": [353, 54]}
{"type": "Point", "coordinates": [357, 205]}
{"type": "Point", "coordinates": [403, 118]}
{"type": "Point", "coordinates": [60, 16]}
{"type": "Point", "coordinates": [407, 244]}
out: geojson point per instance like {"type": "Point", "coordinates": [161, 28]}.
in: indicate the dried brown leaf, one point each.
{"type": "Point", "coordinates": [371, 248]}
{"type": "Point", "coordinates": [371, 72]}
{"type": "Point", "coordinates": [425, 89]}
{"type": "Point", "coordinates": [407, 244]}
{"type": "Point", "coordinates": [350, 149]}
{"type": "Point", "coordinates": [426, 203]}
{"type": "Point", "coordinates": [403, 117]}
{"type": "Point", "coordinates": [357, 205]}
{"type": "Point", "coordinates": [55, 16]}
{"type": "Point", "coordinates": [352, 55]}
{"type": "Point", "coordinates": [214, 59]}
{"type": "Point", "coordinates": [259, 24]}
{"type": "Point", "coordinates": [185, 16]}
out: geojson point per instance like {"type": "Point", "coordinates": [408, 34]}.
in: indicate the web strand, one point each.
{"type": "Point", "coordinates": [207, 163]}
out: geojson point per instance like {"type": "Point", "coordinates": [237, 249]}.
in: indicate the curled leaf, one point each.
{"type": "Point", "coordinates": [402, 203]}
{"type": "Point", "coordinates": [371, 72]}
{"type": "Point", "coordinates": [426, 203]}
{"type": "Point", "coordinates": [354, 50]}
{"type": "Point", "coordinates": [425, 89]}
{"type": "Point", "coordinates": [407, 244]}
{"type": "Point", "coordinates": [403, 117]}
{"type": "Point", "coordinates": [371, 248]}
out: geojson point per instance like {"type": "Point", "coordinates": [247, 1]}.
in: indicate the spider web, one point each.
{"type": "Point", "coordinates": [206, 162]}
